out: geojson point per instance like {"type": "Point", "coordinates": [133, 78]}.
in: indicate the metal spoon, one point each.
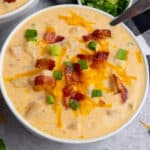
{"type": "Point", "coordinates": [137, 8]}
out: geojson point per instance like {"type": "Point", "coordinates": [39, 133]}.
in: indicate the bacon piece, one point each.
{"type": "Point", "coordinates": [121, 88]}
{"type": "Point", "coordinates": [99, 58]}
{"type": "Point", "coordinates": [51, 37]}
{"type": "Point", "coordinates": [71, 75]}
{"type": "Point", "coordinates": [78, 96]}
{"type": "Point", "coordinates": [9, 1]}
{"type": "Point", "coordinates": [67, 90]}
{"type": "Point", "coordinates": [97, 34]}
{"type": "Point", "coordinates": [77, 68]}
{"type": "Point", "coordinates": [45, 63]}
{"type": "Point", "coordinates": [43, 82]}
{"type": "Point", "coordinates": [85, 57]}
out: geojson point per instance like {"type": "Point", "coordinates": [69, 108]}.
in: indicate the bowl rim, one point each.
{"type": "Point", "coordinates": [129, 5]}
{"type": "Point", "coordinates": [16, 11]}
{"type": "Point", "coordinates": [31, 128]}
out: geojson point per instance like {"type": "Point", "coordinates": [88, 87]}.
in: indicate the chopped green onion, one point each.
{"type": "Point", "coordinates": [122, 54]}
{"type": "Point", "coordinates": [74, 104]}
{"type": "Point", "coordinates": [55, 50]}
{"type": "Point", "coordinates": [31, 34]}
{"type": "Point", "coordinates": [58, 75]}
{"type": "Point", "coordinates": [2, 145]}
{"type": "Point", "coordinates": [92, 45]}
{"type": "Point", "coordinates": [50, 99]}
{"type": "Point", "coordinates": [113, 7]}
{"type": "Point", "coordinates": [97, 93]}
{"type": "Point", "coordinates": [83, 64]}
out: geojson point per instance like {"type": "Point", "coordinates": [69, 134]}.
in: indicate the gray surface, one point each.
{"type": "Point", "coordinates": [134, 137]}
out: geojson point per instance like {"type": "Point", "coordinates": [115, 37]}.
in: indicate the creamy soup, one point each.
{"type": "Point", "coordinates": [10, 5]}
{"type": "Point", "coordinates": [71, 75]}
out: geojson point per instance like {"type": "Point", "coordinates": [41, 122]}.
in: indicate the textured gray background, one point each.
{"type": "Point", "coordinates": [16, 137]}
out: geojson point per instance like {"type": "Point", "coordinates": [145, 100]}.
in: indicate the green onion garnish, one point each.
{"type": "Point", "coordinates": [92, 45]}
{"type": "Point", "coordinates": [97, 93]}
{"type": "Point", "coordinates": [74, 104]}
{"type": "Point", "coordinates": [55, 50]}
{"type": "Point", "coordinates": [122, 54]}
{"type": "Point", "coordinates": [31, 34]}
{"type": "Point", "coordinates": [83, 64]}
{"type": "Point", "coordinates": [2, 145]}
{"type": "Point", "coordinates": [50, 99]}
{"type": "Point", "coordinates": [58, 75]}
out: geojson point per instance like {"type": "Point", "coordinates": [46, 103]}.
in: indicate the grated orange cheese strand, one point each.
{"type": "Point", "coordinates": [58, 109]}
{"type": "Point", "coordinates": [76, 19]}
{"type": "Point", "coordinates": [124, 77]}
{"type": "Point", "coordinates": [144, 124]}
{"type": "Point", "coordinates": [60, 57]}
{"type": "Point", "coordinates": [51, 29]}
{"type": "Point", "coordinates": [22, 75]}
{"type": "Point", "coordinates": [138, 56]}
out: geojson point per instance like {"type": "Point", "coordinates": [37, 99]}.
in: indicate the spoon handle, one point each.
{"type": "Point", "coordinates": [137, 8]}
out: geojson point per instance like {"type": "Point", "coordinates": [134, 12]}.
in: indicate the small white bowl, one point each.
{"type": "Point", "coordinates": [18, 12]}
{"type": "Point", "coordinates": [130, 3]}
{"type": "Point", "coordinates": [39, 133]}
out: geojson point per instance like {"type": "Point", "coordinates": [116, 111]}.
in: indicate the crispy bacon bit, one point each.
{"type": "Point", "coordinates": [71, 75]}
{"type": "Point", "coordinates": [9, 1]}
{"type": "Point", "coordinates": [42, 82]}
{"type": "Point", "coordinates": [77, 68]}
{"type": "Point", "coordinates": [51, 37]}
{"type": "Point", "coordinates": [86, 57]}
{"type": "Point", "coordinates": [97, 34]}
{"type": "Point", "coordinates": [121, 88]}
{"type": "Point", "coordinates": [67, 90]}
{"type": "Point", "coordinates": [99, 58]}
{"type": "Point", "coordinates": [78, 96]}
{"type": "Point", "coordinates": [45, 63]}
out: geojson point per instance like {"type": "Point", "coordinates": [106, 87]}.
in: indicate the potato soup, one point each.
{"type": "Point", "coordinates": [10, 5]}
{"type": "Point", "coordinates": [71, 75]}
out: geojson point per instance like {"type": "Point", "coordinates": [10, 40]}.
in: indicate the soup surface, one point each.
{"type": "Point", "coordinates": [71, 75]}
{"type": "Point", "coordinates": [10, 5]}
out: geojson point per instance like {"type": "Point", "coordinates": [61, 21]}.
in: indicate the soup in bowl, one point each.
{"type": "Point", "coordinates": [71, 77]}
{"type": "Point", "coordinates": [12, 9]}
{"type": "Point", "coordinates": [10, 5]}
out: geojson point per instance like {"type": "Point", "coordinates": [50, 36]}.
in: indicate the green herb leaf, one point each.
{"type": "Point", "coordinates": [122, 54]}
{"type": "Point", "coordinates": [55, 50]}
{"type": "Point", "coordinates": [58, 75]}
{"type": "Point", "coordinates": [113, 7]}
{"type": "Point", "coordinates": [74, 104]}
{"type": "Point", "coordinates": [31, 34]}
{"type": "Point", "coordinates": [97, 93]}
{"type": "Point", "coordinates": [92, 45]}
{"type": "Point", "coordinates": [50, 99]}
{"type": "Point", "coordinates": [83, 64]}
{"type": "Point", "coordinates": [2, 145]}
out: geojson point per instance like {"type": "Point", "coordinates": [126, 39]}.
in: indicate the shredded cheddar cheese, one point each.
{"type": "Point", "coordinates": [138, 56]}
{"type": "Point", "coordinates": [58, 110]}
{"type": "Point", "coordinates": [76, 19]}
{"type": "Point", "coordinates": [22, 75]}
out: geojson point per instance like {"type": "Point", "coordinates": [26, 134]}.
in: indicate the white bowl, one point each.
{"type": "Point", "coordinates": [18, 12]}
{"type": "Point", "coordinates": [44, 135]}
{"type": "Point", "coordinates": [130, 3]}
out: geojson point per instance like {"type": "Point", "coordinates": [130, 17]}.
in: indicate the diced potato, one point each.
{"type": "Point", "coordinates": [47, 73]}
{"type": "Point", "coordinates": [16, 51]}
{"type": "Point", "coordinates": [32, 49]}
{"type": "Point", "coordinates": [33, 109]}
